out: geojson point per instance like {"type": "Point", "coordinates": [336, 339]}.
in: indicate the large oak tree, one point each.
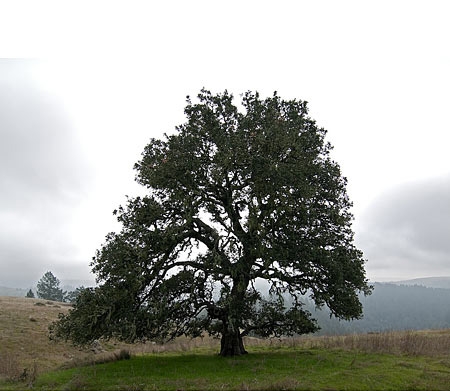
{"type": "Point", "coordinates": [245, 213]}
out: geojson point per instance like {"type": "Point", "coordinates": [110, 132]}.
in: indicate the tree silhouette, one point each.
{"type": "Point", "coordinates": [239, 201]}
{"type": "Point", "coordinates": [48, 288]}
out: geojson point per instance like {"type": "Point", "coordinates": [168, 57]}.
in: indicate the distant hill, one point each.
{"type": "Point", "coordinates": [392, 307]}
{"type": "Point", "coordinates": [15, 292]}
{"type": "Point", "coordinates": [429, 282]}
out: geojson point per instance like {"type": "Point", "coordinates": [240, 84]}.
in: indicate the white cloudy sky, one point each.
{"type": "Point", "coordinates": [95, 80]}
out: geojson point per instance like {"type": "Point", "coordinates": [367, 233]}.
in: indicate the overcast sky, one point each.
{"type": "Point", "coordinates": [97, 80]}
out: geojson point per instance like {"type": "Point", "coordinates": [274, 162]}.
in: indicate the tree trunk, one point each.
{"type": "Point", "coordinates": [231, 344]}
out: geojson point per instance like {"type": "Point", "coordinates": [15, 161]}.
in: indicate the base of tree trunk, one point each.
{"type": "Point", "coordinates": [232, 345]}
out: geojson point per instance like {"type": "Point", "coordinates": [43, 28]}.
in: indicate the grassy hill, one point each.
{"type": "Point", "coordinates": [416, 360]}
{"type": "Point", "coordinates": [24, 345]}
{"type": "Point", "coordinates": [25, 349]}
{"type": "Point", "coordinates": [23, 331]}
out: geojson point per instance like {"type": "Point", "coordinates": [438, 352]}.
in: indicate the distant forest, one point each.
{"type": "Point", "coordinates": [392, 307]}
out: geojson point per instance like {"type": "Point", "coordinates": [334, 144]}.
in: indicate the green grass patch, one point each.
{"type": "Point", "coordinates": [263, 369]}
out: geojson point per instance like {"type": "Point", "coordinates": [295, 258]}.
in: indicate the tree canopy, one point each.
{"type": "Point", "coordinates": [245, 212]}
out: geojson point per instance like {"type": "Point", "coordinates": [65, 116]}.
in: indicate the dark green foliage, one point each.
{"type": "Point", "coordinates": [30, 293]}
{"type": "Point", "coordinates": [71, 296]}
{"type": "Point", "coordinates": [48, 288]}
{"type": "Point", "coordinates": [237, 202]}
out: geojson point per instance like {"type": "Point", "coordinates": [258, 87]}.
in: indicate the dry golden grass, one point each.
{"type": "Point", "coordinates": [431, 343]}
{"type": "Point", "coordinates": [25, 348]}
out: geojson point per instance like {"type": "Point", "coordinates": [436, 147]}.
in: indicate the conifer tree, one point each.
{"type": "Point", "coordinates": [48, 288]}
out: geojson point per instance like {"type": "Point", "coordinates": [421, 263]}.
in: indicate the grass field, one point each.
{"type": "Point", "coordinates": [386, 361]}
{"type": "Point", "coordinates": [268, 368]}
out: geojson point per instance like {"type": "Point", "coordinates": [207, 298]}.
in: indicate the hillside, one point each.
{"type": "Point", "coordinates": [24, 343]}
{"type": "Point", "coordinates": [23, 335]}
{"type": "Point", "coordinates": [429, 282]}
{"type": "Point", "coordinates": [25, 347]}
{"type": "Point", "coordinates": [392, 307]}
{"type": "Point", "coordinates": [397, 360]}
{"type": "Point", "coordinates": [24, 324]}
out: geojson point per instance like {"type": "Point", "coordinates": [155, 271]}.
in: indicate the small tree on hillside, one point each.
{"type": "Point", "coordinates": [240, 201]}
{"type": "Point", "coordinates": [30, 294]}
{"type": "Point", "coordinates": [48, 288]}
